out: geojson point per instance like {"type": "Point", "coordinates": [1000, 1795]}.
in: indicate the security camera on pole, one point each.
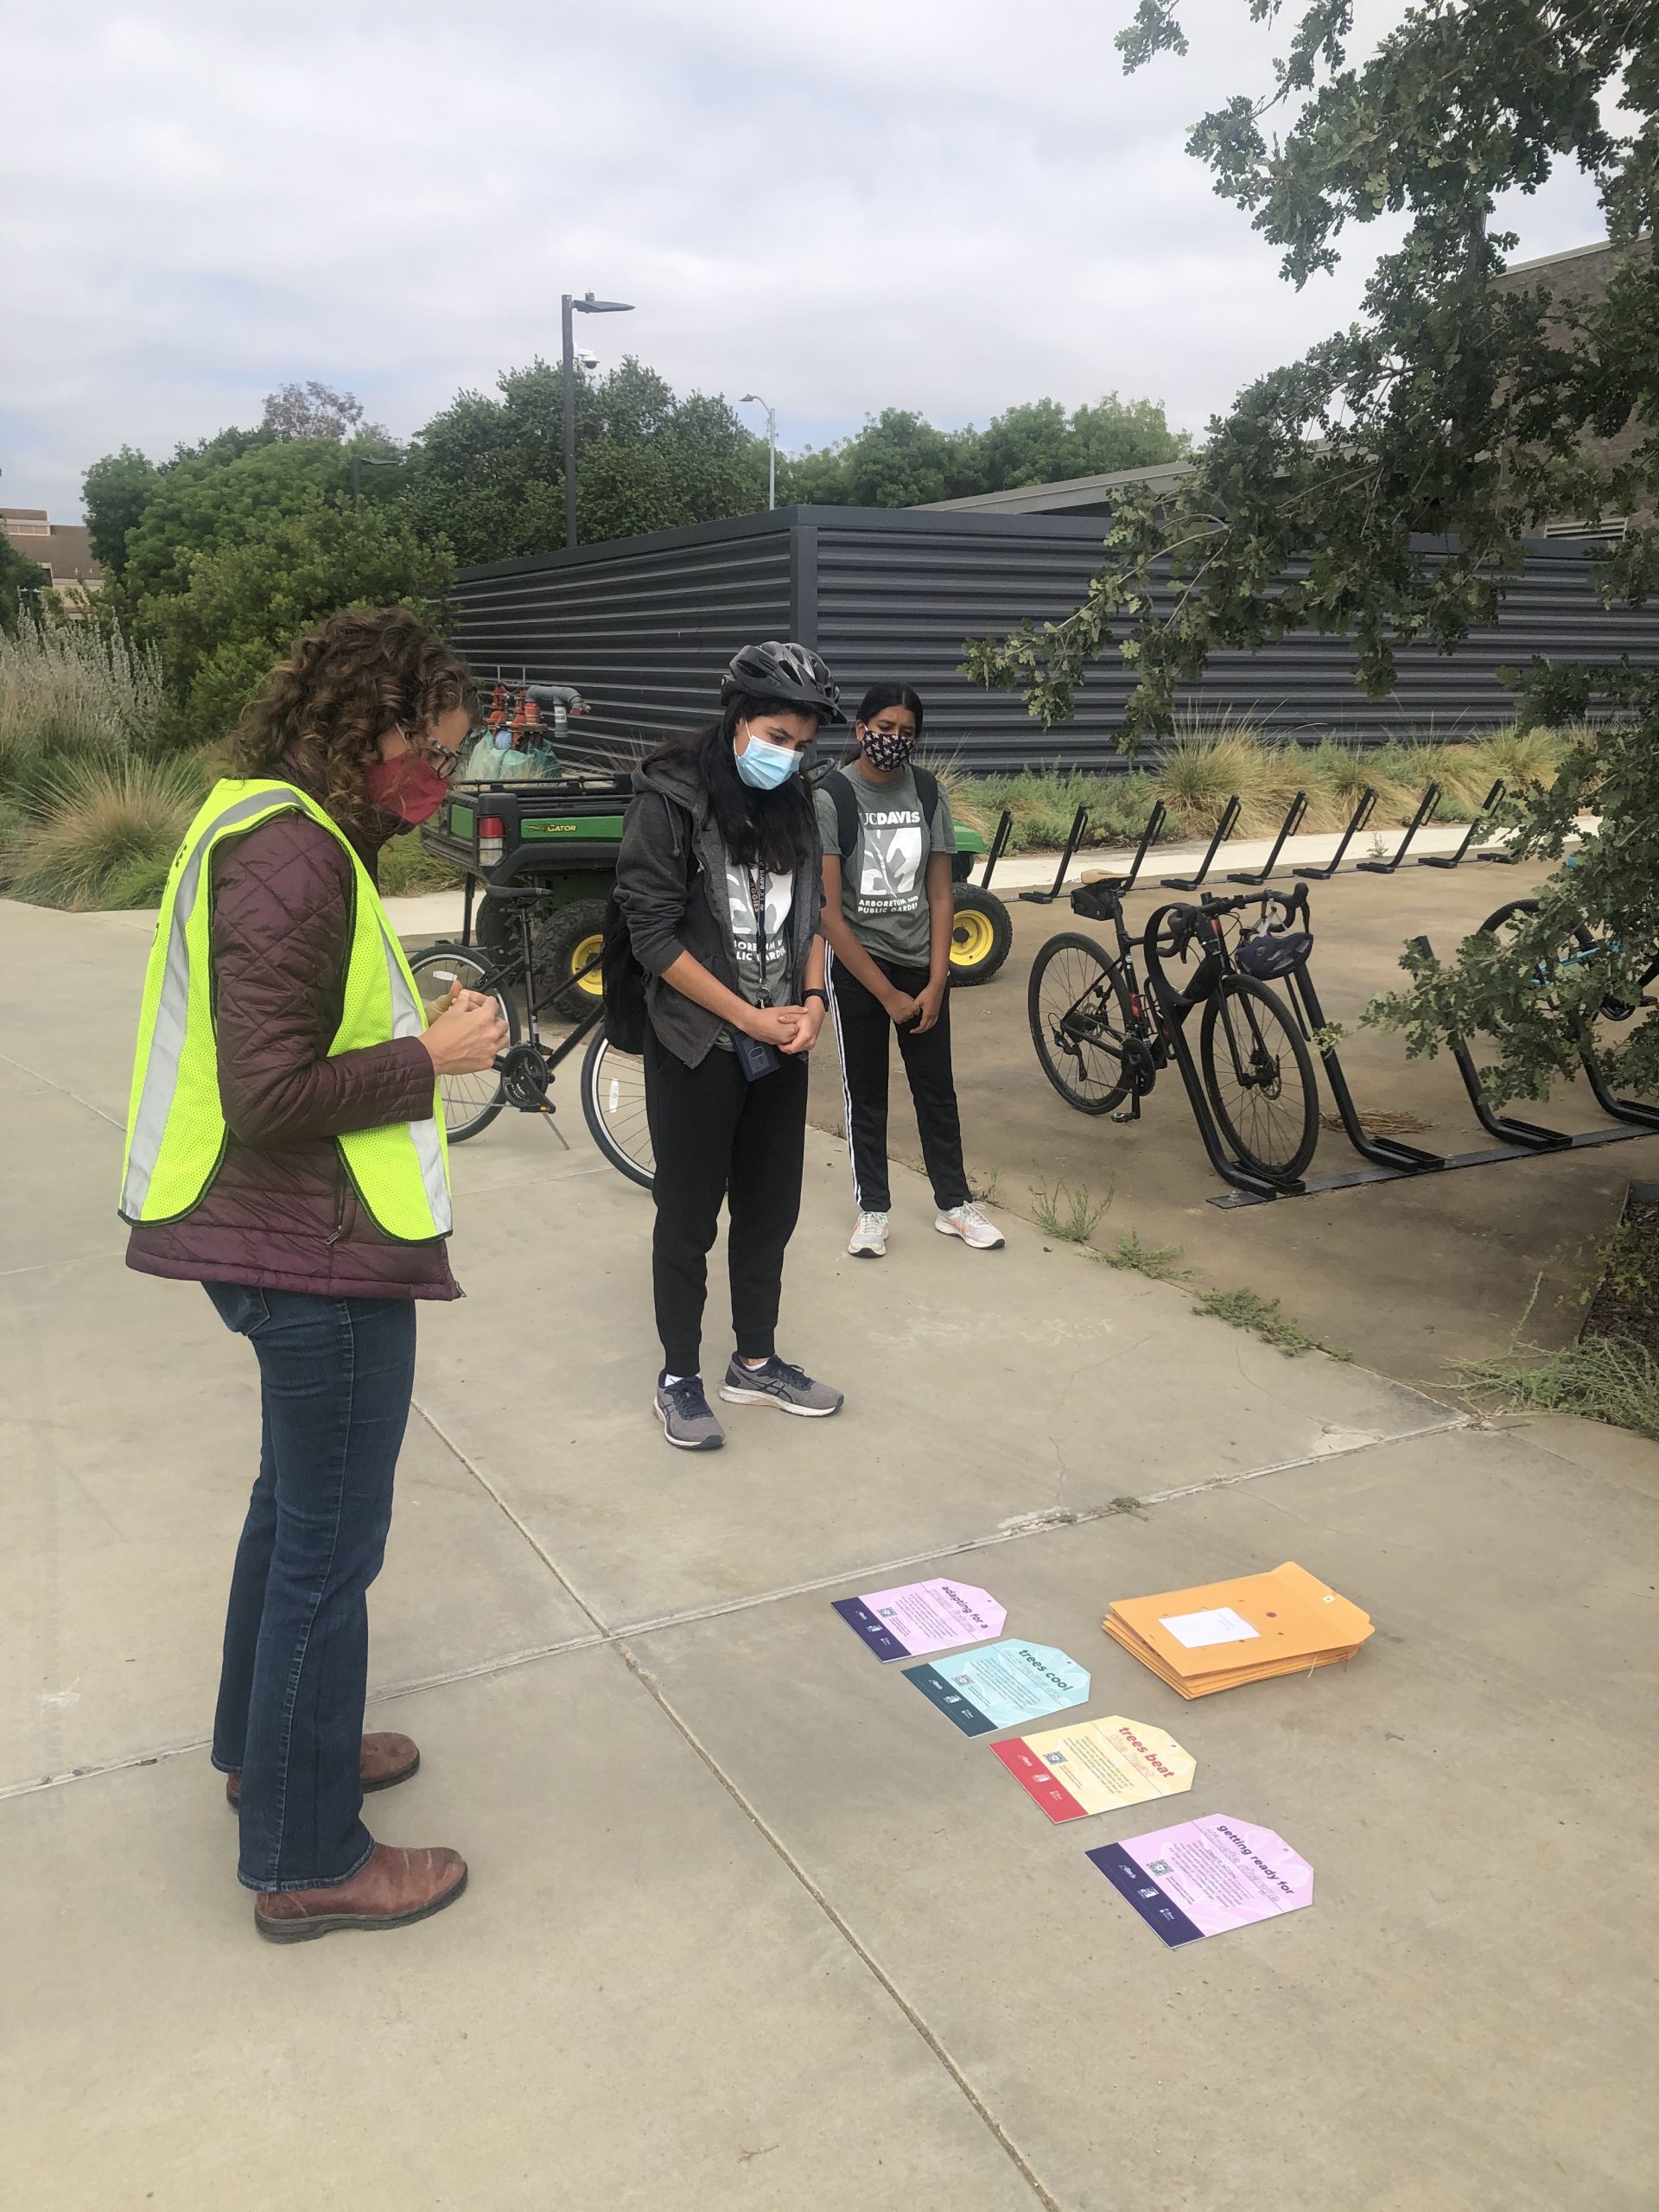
{"type": "Point", "coordinates": [570, 307]}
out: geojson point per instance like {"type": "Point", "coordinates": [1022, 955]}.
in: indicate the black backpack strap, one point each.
{"type": "Point", "coordinates": [928, 789]}
{"type": "Point", "coordinates": [845, 806]}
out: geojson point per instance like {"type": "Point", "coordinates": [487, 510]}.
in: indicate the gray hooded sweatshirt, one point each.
{"type": "Point", "coordinates": [670, 886]}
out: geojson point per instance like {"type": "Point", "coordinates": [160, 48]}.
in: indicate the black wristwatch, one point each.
{"type": "Point", "coordinates": [821, 996]}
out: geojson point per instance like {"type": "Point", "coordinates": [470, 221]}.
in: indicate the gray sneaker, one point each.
{"type": "Point", "coordinates": [777, 1383]}
{"type": "Point", "coordinates": [683, 1411]}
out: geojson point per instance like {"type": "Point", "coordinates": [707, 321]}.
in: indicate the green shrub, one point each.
{"type": "Point", "coordinates": [98, 824]}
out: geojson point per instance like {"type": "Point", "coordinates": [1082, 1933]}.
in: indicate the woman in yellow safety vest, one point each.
{"type": "Point", "coordinates": [285, 1149]}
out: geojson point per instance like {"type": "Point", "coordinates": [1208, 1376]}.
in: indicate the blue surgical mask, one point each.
{"type": "Point", "coordinates": [764, 766]}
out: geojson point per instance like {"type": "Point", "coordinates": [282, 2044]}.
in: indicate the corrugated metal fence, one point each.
{"type": "Point", "coordinates": [644, 626]}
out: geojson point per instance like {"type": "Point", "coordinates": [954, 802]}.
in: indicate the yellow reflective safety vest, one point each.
{"type": "Point", "coordinates": [175, 1124]}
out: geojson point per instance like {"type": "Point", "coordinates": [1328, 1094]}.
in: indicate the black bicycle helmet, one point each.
{"type": "Point", "coordinates": [1267, 957]}
{"type": "Point", "coordinates": [779, 670]}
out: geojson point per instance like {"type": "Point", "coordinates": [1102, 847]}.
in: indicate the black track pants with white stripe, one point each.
{"type": "Point", "coordinates": [864, 1032]}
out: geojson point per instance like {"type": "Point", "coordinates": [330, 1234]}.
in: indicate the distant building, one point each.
{"type": "Point", "coordinates": [64, 551]}
{"type": "Point", "coordinates": [1579, 275]}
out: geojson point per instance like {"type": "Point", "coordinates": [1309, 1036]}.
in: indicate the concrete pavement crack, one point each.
{"type": "Point", "coordinates": [843, 1927]}
{"type": "Point", "coordinates": [63, 1090]}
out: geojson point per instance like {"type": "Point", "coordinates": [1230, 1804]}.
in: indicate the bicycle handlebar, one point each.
{"type": "Point", "coordinates": [1291, 904]}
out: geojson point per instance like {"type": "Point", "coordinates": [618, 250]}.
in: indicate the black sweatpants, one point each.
{"type": "Point", "coordinates": [718, 1136]}
{"type": "Point", "coordinates": [864, 1028]}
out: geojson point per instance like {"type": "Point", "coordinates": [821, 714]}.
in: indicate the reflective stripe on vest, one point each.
{"type": "Point", "coordinates": [176, 1125]}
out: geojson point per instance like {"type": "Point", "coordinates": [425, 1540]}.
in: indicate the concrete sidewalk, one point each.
{"type": "Point", "coordinates": [750, 1925]}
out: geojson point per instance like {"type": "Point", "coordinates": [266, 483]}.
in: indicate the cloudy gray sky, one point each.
{"type": "Point", "coordinates": [947, 204]}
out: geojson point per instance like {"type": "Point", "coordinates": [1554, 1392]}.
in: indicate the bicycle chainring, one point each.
{"type": "Point", "coordinates": [524, 1079]}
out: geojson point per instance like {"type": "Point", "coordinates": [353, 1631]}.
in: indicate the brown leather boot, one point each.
{"type": "Point", "coordinates": [387, 1759]}
{"type": "Point", "coordinates": [392, 1888]}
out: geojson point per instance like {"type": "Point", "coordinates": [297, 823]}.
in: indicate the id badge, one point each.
{"type": "Point", "coordinates": [755, 1057]}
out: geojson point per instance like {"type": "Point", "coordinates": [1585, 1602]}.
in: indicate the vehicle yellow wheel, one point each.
{"type": "Point", "coordinates": [592, 986]}
{"type": "Point", "coordinates": [981, 934]}
{"type": "Point", "coordinates": [971, 939]}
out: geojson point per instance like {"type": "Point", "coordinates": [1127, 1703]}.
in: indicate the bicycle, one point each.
{"type": "Point", "coordinates": [1586, 949]}
{"type": "Point", "coordinates": [613, 1082]}
{"type": "Point", "coordinates": [1101, 1039]}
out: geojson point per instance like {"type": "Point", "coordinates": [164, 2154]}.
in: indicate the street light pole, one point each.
{"type": "Point", "coordinates": [753, 399]}
{"type": "Point", "coordinates": [570, 309]}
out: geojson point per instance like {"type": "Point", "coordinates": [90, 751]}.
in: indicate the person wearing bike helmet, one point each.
{"type": "Point", "coordinates": [718, 879]}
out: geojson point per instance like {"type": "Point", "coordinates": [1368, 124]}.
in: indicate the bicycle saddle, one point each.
{"type": "Point", "coordinates": [1265, 958]}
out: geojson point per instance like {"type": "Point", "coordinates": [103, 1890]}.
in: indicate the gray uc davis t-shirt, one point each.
{"type": "Point", "coordinates": [767, 985]}
{"type": "Point", "coordinates": [884, 878]}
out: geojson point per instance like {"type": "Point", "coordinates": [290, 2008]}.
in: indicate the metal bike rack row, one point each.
{"type": "Point", "coordinates": [1387, 1160]}
{"type": "Point", "coordinates": [1294, 815]}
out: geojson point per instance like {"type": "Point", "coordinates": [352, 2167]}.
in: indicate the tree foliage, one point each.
{"type": "Point", "coordinates": [488, 472]}
{"type": "Point", "coordinates": [1379, 488]}
{"type": "Point", "coordinates": [316, 410]}
{"type": "Point", "coordinates": [225, 553]}
{"type": "Point", "coordinates": [899, 460]}
{"type": "Point", "coordinates": [18, 576]}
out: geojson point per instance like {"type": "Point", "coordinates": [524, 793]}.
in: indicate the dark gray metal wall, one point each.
{"type": "Point", "coordinates": [643, 626]}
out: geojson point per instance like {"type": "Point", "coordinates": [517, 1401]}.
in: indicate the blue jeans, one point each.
{"type": "Point", "coordinates": [335, 1376]}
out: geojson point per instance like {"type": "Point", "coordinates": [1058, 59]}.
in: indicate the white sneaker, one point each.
{"type": "Point", "coordinates": [968, 1223]}
{"type": "Point", "coordinates": [870, 1240]}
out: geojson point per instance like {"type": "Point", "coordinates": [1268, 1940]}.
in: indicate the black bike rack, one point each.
{"type": "Point", "coordinates": [1288, 827]}
{"type": "Point", "coordinates": [1389, 1160]}
{"type": "Point", "coordinates": [1074, 838]}
{"type": "Point", "coordinates": [1229, 815]}
{"type": "Point", "coordinates": [1149, 836]}
{"type": "Point", "coordinates": [1452, 860]}
{"type": "Point", "coordinates": [999, 846]}
{"type": "Point", "coordinates": [1361, 815]}
{"type": "Point", "coordinates": [1425, 806]}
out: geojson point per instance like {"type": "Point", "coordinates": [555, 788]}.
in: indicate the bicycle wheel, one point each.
{"type": "Point", "coordinates": [1259, 1078]}
{"type": "Point", "coordinates": [1584, 947]}
{"type": "Point", "coordinates": [1078, 1006]}
{"type": "Point", "coordinates": [471, 1102]}
{"type": "Point", "coordinates": [614, 1106]}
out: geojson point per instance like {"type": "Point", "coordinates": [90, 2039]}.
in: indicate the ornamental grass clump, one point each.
{"type": "Point", "coordinates": [76, 693]}
{"type": "Point", "coordinates": [102, 833]}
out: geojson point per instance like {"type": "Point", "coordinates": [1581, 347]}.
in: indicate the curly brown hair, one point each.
{"type": "Point", "coordinates": [321, 714]}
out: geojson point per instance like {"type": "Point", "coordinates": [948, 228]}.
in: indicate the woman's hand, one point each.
{"type": "Point", "coordinates": [466, 1035]}
{"type": "Point", "coordinates": [901, 1008]}
{"type": "Point", "coordinates": [931, 1005]}
{"type": "Point", "coordinates": [808, 1022]}
{"type": "Point", "coordinates": [774, 1025]}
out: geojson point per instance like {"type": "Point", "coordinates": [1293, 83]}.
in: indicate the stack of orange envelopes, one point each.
{"type": "Point", "coordinates": [1224, 1633]}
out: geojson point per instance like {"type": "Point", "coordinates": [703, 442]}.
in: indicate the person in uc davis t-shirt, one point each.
{"type": "Point", "coordinates": [888, 914]}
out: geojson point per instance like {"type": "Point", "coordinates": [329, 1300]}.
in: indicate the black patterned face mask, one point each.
{"type": "Point", "coordinates": [885, 749]}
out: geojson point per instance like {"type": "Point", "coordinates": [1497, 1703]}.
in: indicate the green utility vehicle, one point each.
{"type": "Point", "coordinates": [560, 837]}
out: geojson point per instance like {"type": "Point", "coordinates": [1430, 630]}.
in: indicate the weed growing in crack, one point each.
{"type": "Point", "coordinates": [1264, 1318]}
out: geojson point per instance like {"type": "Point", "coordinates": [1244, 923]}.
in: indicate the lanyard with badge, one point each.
{"type": "Point", "coordinates": [755, 1057]}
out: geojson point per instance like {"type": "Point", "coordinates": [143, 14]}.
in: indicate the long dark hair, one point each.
{"type": "Point", "coordinates": [775, 830]}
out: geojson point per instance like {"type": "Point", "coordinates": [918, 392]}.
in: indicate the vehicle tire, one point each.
{"type": "Point", "coordinates": [614, 1106]}
{"type": "Point", "coordinates": [471, 1102]}
{"type": "Point", "coordinates": [565, 940]}
{"type": "Point", "coordinates": [1269, 1114]}
{"type": "Point", "coordinates": [982, 935]}
{"type": "Point", "coordinates": [1079, 1008]}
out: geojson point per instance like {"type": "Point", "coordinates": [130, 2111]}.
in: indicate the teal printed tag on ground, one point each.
{"type": "Point", "coordinates": [996, 1688]}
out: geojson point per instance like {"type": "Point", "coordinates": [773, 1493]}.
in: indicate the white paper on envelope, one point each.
{"type": "Point", "coordinates": [1220, 1624]}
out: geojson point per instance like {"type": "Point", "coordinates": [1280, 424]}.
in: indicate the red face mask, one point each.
{"type": "Point", "coordinates": [410, 787]}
